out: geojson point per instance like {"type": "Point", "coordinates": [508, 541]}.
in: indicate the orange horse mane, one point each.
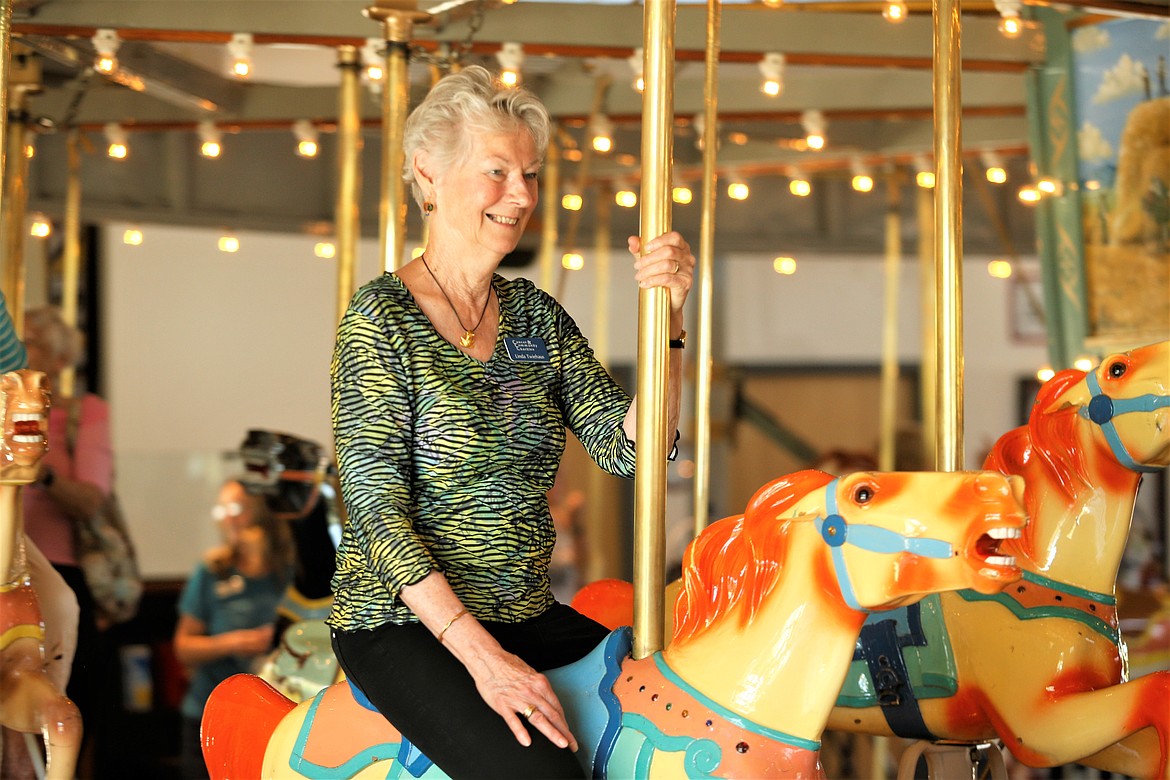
{"type": "Point", "coordinates": [737, 561]}
{"type": "Point", "coordinates": [1046, 437]}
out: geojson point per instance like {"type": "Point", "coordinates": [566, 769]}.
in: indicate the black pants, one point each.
{"type": "Point", "coordinates": [429, 696]}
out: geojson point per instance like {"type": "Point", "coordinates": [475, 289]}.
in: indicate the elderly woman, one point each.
{"type": "Point", "coordinates": [452, 389]}
{"type": "Point", "coordinates": [76, 476]}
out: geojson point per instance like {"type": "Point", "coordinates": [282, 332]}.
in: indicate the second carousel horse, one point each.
{"type": "Point", "coordinates": [1042, 666]}
{"type": "Point", "coordinates": [766, 624]}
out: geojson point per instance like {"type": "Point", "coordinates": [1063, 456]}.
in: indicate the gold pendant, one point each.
{"type": "Point", "coordinates": [467, 339]}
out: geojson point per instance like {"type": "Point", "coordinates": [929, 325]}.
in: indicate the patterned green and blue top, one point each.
{"type": "Point", "coordinates": [445, 461]}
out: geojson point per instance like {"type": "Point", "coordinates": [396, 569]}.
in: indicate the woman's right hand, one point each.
{"type": "Point", "coordinates": [511, 687]}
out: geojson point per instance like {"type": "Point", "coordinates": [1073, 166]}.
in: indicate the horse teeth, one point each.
{"type": "Point", "coordinates": [25, 417]}
{"type": "Point", "coordinates": [26, 439]}
{"type": "Point", "coordinates": [1001, 560]}
{"type": "Point", "coordinates": [1004, 533]}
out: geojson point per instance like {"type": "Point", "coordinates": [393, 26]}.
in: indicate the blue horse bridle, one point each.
{"type": "Point", "coordinates": [1102, 409]}
{"type": "Point", "coordinates": [837, 532]}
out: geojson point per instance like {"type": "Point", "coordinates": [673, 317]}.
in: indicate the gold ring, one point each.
{"type": "Point", "coordinates": [528, 712]}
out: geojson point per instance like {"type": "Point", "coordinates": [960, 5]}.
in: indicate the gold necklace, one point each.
{"type": "Point", "coordinates": [467, 340]}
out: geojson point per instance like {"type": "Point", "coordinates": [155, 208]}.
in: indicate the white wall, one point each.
{"type": "Point", "coordinates": [202, 345]}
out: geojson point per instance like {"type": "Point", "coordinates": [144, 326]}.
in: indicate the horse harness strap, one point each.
{"type": "Point", "coordinates": [1036, 597]}
{"type": "Point", "coordinates": [1102, 409]}
{"type": "Point", "coordinates": [837, 531]}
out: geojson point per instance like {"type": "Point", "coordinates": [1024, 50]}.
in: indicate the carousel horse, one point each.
{"type": "Point", "coordinates": [295, 477]}
{"type": "Point", "coordinates": [766, 625]}
{"type": "Point", "coordinates": [29, 701]}
{"type": "Point", "coordinates": [1042, 665]}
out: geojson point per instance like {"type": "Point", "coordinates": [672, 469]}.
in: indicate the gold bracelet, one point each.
{"type": "Point", "coordinates": [458, 615]}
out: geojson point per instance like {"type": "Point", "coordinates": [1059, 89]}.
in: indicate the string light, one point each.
{"type": "Point", "coordinates": [511, 58]}
{"type": "Point", "coordinates": [813, 122]}
{"type": "Point", "coordinates": [636, 61]}
{"type": "Point", "coordinates": [1010, 23]}
{"type": "Point", "coordinates": [784, 265]}
{"type": "Point", "coordinates": [894, 11]}
{"type": "Point", "coordinates": [374, 60]}
{"type": "Point", "coordinates": [862, 180]}
{"type": "Point", "coordinates": [117, 147]}
{"type": "Point", "coordinates": [571, 261]}
{"type": "Point", "coordinates": [602, 130]}
{"type": "Point", "coordinates": [1048, 186]}
{"type": "Point", "coordinates": [1045, 373]}
{"type": "Point", "coordinates": [999, 269]}
{"type": "Point", "coordinates": [772, 69]}
{"type": "Point", "coordinates": [737, 188]}
{"type": "Point", "coordinates": [572, 200]}
{"type": "Point", "coordinates": [307, 137]}
{"type": "Point", "coordinates": [210, 139]}
{"type": "Point", "coordinates": [798, 184]}
{"type": "Point", "coordinates": [1029, 195]}
{"type": "Point", "coordinates": [923, 173]}
{"type": "Point", "coordinates": [993, 165]}
{"type": "Point", "coordinates": [106, 43]}
{"type": "Point", "coordinates": [132, 237]}
{"type": "Point", "coordinates": [682, 195]}
{"type": "Point", "coordinates": [40, 227]}
{"type": "Point", "coordinates": [240, 55]}
{"type": "Point", "coordinates": [325, 250]}
{"type": "Point", "coordinates": [228, 243]}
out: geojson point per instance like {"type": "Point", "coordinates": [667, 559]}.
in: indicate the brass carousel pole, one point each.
{"type": "Point", "coordinates": [347, 214]}
{"type": "Point", "coordinates": [397, 18]}
{"type": "Point", "coordinates": [929, 359]}
{"type": "Point", "coordinates": [71, 255]}
{"type": "Point", "coordinates": [948, 238]}
{"type": "Point", "coordinates": [889, 393]}
{"type": "Point", "coordinates": [602, 532]}
{"type": "Point", "coordinates": [703, 358]}
{"type": "Point", "coordinates": [15, 201]}
{"type": "Point", "coordinates": [548, 226]}
{"type": "Point", "coordinates": [653, 332]}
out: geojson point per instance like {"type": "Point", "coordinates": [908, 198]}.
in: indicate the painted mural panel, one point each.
{"type": "Point", "coordinates": [1123, 120]}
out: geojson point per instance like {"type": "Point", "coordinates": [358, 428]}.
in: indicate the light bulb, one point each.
{"type": "Point", "coordinates": [738, 190]}
{"type": "Point", "coordinates": [324, 250]}
{"type": "Point", "coordinates": [571, 261]}
{"type": "Point", "coordinates": [572, 201]}
{"type": "Point", "coordinates": [784, 265]}
{"type": "Point", "coordinates": [682, 195]}
{"type": "Point", "coordinates": [132, 237]}
{"type": "Point", "coordinates": [106, 43]}
{"type": "Point", "coordinates": [772, 69]}
{"type": "Point", "coordinates": [894, 11]}
{"type": "Point", "coordinates": [228, 244]}
{"type": "Point", "coordinates": [40, 227]}
{"type": "Point", "coordinates": [626, 198]}
{"type": "Point", "coordinates": [117, 147]}
{"type": "Point", "coordinates": [999, 269]}
{"type": "Point", "coordinates": [307, 135]}
{"type": "Point", "coordinates": [1010, 26]}
{"type": "Point", "coordinates": [1084, 363]}
{"type": "Point", "coordinates": [800, 187]}
{"type": "Point", "coordinates": [210, 145]}
{"type": "Point", "coordinates": [1045, 373]}
{"type": "Point", "coordinates": [1029, 194]}
{"type": "Point", "coordinates": [511, 58]}
{"type": "Point", "coordinates": [240, 55]}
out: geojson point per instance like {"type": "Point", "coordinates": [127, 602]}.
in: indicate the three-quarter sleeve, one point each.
{"type": "Point", "coordinates": [372, 427]}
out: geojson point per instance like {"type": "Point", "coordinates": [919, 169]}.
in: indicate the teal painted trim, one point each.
{"type": "Point", "coordinates": [1039, 613]}
{"type": "Point", "coordinates": [351, 767]}
{"type": "Point", "coordinates": [1072, 590]}
{"type": "Point", "coordinates": [856, 702]}
{"type": "Point", "coordinates": [942, 682]}
{"type": "Point", "coordinates": [728, 715]}
{"type": "Point", "coordinates": [701, 756]}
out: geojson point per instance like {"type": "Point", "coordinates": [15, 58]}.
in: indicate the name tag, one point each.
{"type": "Point", "coordinates": [528, 350]}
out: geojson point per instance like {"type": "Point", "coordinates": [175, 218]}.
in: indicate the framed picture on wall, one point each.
{"type": "Point", "coordinates": [1026, 308]}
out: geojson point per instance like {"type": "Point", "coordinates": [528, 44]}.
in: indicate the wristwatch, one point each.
{"type": "Point", "coordinates": [48, 477]}
{"type": "Point", "coordinates": [678, 343]}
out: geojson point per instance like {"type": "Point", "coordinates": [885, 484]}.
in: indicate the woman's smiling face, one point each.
{"type": "Point", "coordinates": [485, 198]}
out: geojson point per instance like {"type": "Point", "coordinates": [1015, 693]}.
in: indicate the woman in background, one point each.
{"type": "Point", "coordinates": [227, 611]}
{"type": "Point", "coordinates": [76, 477]}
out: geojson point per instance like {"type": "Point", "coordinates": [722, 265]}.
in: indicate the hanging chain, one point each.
{"type": "Point", "coordinates": [447, 55]}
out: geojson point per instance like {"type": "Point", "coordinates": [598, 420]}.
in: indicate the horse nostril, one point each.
{"type": "Point", "coordinates": [991, 484]}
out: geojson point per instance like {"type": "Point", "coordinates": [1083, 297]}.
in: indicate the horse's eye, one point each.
{"type": "Point", "coordinates": [1117, 370]}
{"type": "Point", "coordinates": [863, 494]}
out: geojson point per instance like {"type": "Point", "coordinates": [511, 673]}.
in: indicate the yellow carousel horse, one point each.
{"type": "Point", "coordinates": [766, 625]}
{"type": "Point", "coordinates": [1041, 666]}
{"type": "Point", "coordinates": [29, 702]}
